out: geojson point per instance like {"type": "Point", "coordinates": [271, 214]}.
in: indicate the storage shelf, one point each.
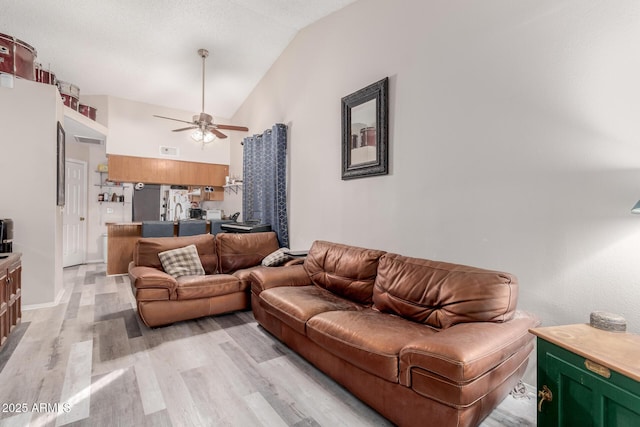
{"type": "Point", "coordinates": [77, 124]}
{"type": "Point", "coordinates": [109, 185]}
{"type": "Point", "coordinates": [232, 187]}
{"type": "Point", "coordinates": [106, 182]}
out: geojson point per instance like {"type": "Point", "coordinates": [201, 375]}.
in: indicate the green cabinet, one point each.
{"type": "Point", "coordinates": [587, 377]}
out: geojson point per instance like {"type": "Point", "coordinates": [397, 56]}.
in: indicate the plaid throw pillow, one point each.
{"type": "Point", "coordinates": [277, 258]}
{"type": "Point", "coordinates": [182, 262]}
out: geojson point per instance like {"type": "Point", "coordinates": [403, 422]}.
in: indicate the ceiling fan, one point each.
{"type": "Point", "coordinates": [206, 130]}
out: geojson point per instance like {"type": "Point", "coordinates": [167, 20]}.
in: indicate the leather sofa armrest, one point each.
{"type": "Point", "coordinates": [295, 261]}
{"type": "Point", "coordinates": [466, 350]}
{"type": "Point", "coordinates": [148, 277]}
{"type": "Point", "coordinates": [272, 277]}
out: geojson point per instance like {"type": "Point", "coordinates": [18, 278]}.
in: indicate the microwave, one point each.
{"type": "Point", "coordinates": [213, 214]}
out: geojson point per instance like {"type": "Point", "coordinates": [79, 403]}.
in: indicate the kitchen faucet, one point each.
{"type": "Point", "coordinates": [175, 214]}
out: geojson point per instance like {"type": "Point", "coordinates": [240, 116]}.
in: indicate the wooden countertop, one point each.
{"type": "Point", "coordinates": [121, 240]}
{"type": "Point", "coordinates": [11, 257]}
{"type": "Point", "coordinates": [125, 224]}
{"type": "Point", "coordinates": [617, 351]}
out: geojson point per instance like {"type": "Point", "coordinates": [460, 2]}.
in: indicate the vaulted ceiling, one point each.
{"type": "Point", "coordinates": [146, 50]}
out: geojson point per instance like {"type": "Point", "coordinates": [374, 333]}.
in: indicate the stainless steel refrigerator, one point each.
{"type": "Point", "coordinates": [146, 203]}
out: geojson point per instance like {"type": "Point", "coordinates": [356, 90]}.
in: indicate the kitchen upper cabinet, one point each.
{"type": "Point", "coordinates": [215, 193]}
{"type": "Point", "coordinates": [165, 171]}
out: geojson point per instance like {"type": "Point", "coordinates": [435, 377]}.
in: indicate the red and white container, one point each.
{"type": "Point", "coordinates": [45, 76]}
{"type": "Point", "coordinates": [70, 94]}
{"type": "Point", "coordinates": [87, 110]}
{"type": "Point", "coordinates": [17, 57]}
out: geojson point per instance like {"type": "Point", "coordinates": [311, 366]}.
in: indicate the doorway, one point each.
{"type": "Point", "coordinates": [74, 224]}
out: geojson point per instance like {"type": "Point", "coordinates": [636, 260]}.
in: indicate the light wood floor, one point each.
{"type": "Point", "coordinates": [89, 361]}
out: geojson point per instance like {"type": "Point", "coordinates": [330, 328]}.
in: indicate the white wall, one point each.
{"type": "Point", "coordinates": [133, 131]}
{"type": "Point", "coordinates": [29, 113]}
{"type": "Point", "coordinates": [514, 141]}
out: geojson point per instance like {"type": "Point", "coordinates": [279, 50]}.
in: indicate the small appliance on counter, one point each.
{"type": "Point", "coordinates": [245, 227]}
{"type": "Point", "coordinates": [6, 235]}
{"type": "Point", "coordinates": [195, 213]}
{"type": "Point", "coordinates": [210, 214]}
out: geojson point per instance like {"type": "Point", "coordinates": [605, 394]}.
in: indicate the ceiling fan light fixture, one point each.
{"type": "Point", "coordinates": [208, 137]}
{"type": "Point", "coordinates": [197, 135]}
{"type": "Point", "coordinates": [200, 136]}
{"type": "Point", "coordinates": [205, 129]}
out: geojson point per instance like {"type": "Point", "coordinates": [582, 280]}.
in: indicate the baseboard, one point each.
{"type": "Point", "coordinates": [53, 303]}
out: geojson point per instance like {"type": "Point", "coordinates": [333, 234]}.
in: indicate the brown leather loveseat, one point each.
{"type": "Point", "coordinates": [422, 342]}
{"type": "Point", "coordinates": [227, 260]}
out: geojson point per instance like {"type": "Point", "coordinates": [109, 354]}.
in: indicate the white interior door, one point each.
{"type": "Point", "coordinates": [74, 224]}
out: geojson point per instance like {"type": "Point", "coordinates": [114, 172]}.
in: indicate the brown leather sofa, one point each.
{"type": "Point", "coordinates": [421, 342]}
{"type": "Point", "coordinates": [227, 259]}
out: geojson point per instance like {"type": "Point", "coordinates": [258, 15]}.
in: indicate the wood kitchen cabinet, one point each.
{"type": "Point", "coordinates": [165, 171]}
{"type": "Point", "coordinates": [10, 295]}
{"type": "Point", "coordinates": [216, 195]}
{"type": "Point", "coordinates": [587, 377]}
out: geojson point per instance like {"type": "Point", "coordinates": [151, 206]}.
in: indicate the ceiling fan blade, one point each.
{"type": "Point", "coordinates": [217, 133]}
{"type": "Point", "coordinates": [204, 121]}
{"type": "Point", "coordinates": [170, 118]}
{"type": "Point", "coordinates": [231, 127]}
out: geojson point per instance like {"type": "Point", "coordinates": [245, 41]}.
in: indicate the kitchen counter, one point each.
{"type": "Point", "coordinates": [140, 223]}
{"type": "Point", "coordinates": [121, 239]}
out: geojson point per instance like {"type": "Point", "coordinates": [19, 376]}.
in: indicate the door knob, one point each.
{"type": "Point", "coordinates": [81, 218]}
{"type": "Point", "coordinates": [544, 394]}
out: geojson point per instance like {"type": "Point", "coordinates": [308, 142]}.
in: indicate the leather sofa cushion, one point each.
{"type": "Point", "coordinates": [467, 351]}
{"type": "Point", "coordinates": [241, 250]}
{"type": "Point", "coordinates": [294, 305]}
{"type": "Point", "coordinates": [347, 271]}
{"type": "Point", "coordinates": [147, 249]}
{"type": "Point", "coordinates": [367, 339]}
{"type": "Point", "coordinates": [193, 287]}
{"type": "Point", "coordinates": [442, 294]}
{"type": "Point", "coordinates": [463, 394]}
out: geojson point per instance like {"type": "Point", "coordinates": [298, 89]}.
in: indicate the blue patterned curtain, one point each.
{"type": "Point", "coordinates": [264, 196]}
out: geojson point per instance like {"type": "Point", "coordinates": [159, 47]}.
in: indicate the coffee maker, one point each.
{"type": "Point", "coordinates": [6, 235]}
